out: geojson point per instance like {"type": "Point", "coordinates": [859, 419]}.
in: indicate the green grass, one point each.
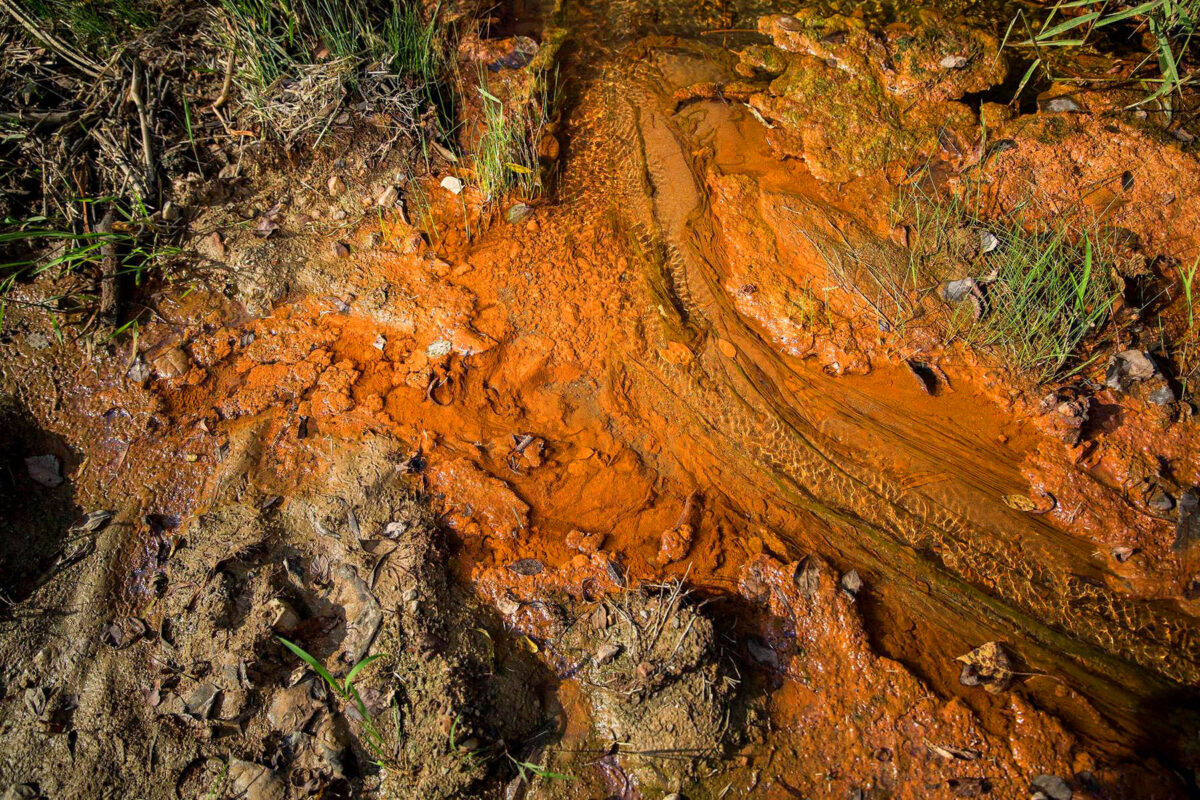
{"type": "Point", "coordinates": [32, 248]}
{"type": "Point", "coordinates": [372, 736]}
{"type": "Point", "coordinates": [526, 768]}
{"type": "Point", "coordinates": [506, 158]}
{"type": "Point", "coordinates": [275, 37]}
{"type": "Point", "coordinates": [97, 25]}
{"type": "Point", "coordinates": [1045, 287]}
{"type": "Point", "coordinates": [1187, 277]}
{"type": "Point", "coordinates": [1173, 24]}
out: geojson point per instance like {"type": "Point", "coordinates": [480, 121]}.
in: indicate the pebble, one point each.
{"type": "Point", "coordinates": [45, 470]}
{"type": "Point", "coordinates": [388, 197]}
{"type": "Point", "coordinates": [1162, 396]}
{"type": "Point", "coordinates": [1159, 501]}
{"type": "Point", "coordinates": [452, 184]}
{"type": "Point", "coordinates": [518, 212]}
{"type": "Point", "coordinates": [1050, 787]}
{"type": "Point", "coordinates": [340, 249]}
{"type": "Point", "coordinates": [254, 781]}
{"type": "Point", "coordinates": [1058, 105]}
{"type": "Point", "coordinates": [336, 186]}
{"type": "Point", "coordinates": [607, 653]}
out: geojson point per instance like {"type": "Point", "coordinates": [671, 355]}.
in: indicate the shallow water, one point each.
{"type": "Point", "coordinates": [841, 464]}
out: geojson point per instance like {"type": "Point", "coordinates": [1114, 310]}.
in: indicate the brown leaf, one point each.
{"type": "Point", "coordinates": [987, 666]}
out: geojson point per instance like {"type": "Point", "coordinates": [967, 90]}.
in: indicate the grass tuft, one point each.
{"type": "Point", "coordinates": [1043, 286]}
{"type": "Point", "coordinates": [348, 693]}
{"type": "Point", "coordinates": [1172, 24]}
{"type": "Point", "coordinates": [506, 156]}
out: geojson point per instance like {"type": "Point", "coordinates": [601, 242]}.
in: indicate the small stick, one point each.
{"type": "Point", "coordinates": [227, 84]}
{"type": "Point", "coordinates": [135, 92]}
{"type": "Point", "coordinates": [109, 287]}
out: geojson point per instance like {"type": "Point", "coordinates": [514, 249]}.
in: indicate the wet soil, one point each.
{"type": "Point", "coordinates": [643, 488]}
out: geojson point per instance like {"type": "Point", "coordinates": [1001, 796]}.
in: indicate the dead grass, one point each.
{"type": "Point", "coordinates": [107, 102]}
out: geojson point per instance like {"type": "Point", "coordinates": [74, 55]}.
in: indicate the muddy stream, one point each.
{"type": "Point", "coordinates": [660, 374]}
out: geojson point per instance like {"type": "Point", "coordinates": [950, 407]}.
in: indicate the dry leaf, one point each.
{"type": "Point", "coordinates": [987, 666]}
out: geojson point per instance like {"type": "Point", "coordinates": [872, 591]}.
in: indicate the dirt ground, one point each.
{"type": "Point", "coordinates": [627, 492]}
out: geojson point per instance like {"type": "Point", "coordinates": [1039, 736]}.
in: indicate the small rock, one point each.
{"type": "Point", "coordinates": [292, 708]}
{"type": "Point", "coordinates": [340, 249]}
{"type": "Point", "coordinates": [675, 544]}
{"type": "Point", "coordinates": [336, 186]}
{"type": "Point", "coordinates": [213, 246]}
{"type": "Point", "coordinates": [987, 242]}
{"type": "Point", "coordinates": [956, 291]}
{"type": "Point", "coordinates": [1060, 105]}
{"type": "Point", "coordinates": [1050, 787]}
{"type": "Point", "coordinates": [284, 618]}
{"type": "Point", "coordinates": [170, 212]}
{"type": "Point", "coordinates": [1187, 526]}
{"type": "Point", "coordinates": [953, 62]}
{"type": "Point", "coordinates": [45, 470]}
{"type": "Point", "coordinates": [852, 582]}
{"type": "Point", "coordinates": [518, 212]}
{"type": "Point", "coordinates": [200, 702]}
{"type": "Point", "coordinates": [1164, 395]}
{"type": "Point", "coordinates": [139, 372]}
{"type": "Point", "coordinates": [388, 197]}
{"type": "Point", "coordinates": [1129, 366]}
{"type": "Point", "coordinates": [1159, 501]}
{"type": "Point", "coordinates": [584, 541]}
{"type": "Point", "coordinates": [439, 349]}
{"type": "Point", "coordinates": [507, 606]}
{"type": "Point", "coordinates": [1184, 136]}
{"type": "Point", "coordinates": [762, 653]}
{"type": "Point", "coordinates": [607, 653]}
{"type": "Point", "coordinates": [452, 184]}
{"type": "Point", "coordinates": [254, 781]}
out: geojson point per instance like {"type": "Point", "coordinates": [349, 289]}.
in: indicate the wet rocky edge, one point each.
{"type": "Point", "coordinates": [171, 679]}
{"type": "Point", "coordinates": [909, 114]}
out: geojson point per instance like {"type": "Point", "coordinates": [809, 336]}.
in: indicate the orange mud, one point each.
{"type": "Point", "coordinates": [528, 369]}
